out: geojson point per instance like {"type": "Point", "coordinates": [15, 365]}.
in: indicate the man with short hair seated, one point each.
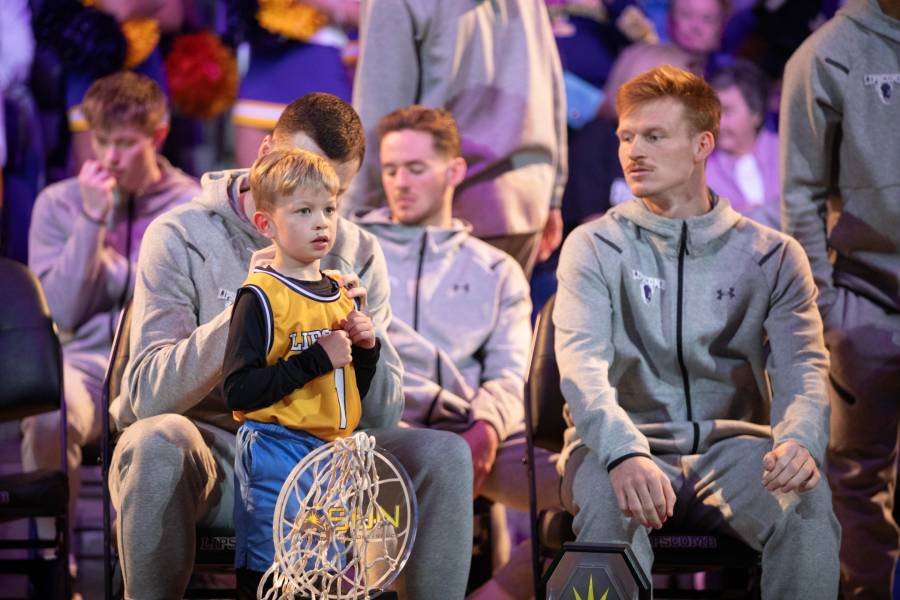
{"type": "Point", "coordinates": [86, 233]}
{"type": "Point", "coordinates": [691, 358]}
{"type": "Point", "coordinates": [173, 465]}
{"type": "Point", "coordinates": [461, 317]}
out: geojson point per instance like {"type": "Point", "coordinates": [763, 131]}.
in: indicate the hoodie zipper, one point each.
{"type": "Point", "coordinates": [419, 280]}
{"type": "Point", "coordinates": [679, 329]}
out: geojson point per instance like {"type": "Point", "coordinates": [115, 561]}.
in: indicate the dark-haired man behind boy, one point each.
{"type": "Point", "coordinates": [173, 465]}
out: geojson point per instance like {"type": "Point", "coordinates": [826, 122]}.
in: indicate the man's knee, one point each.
{"type": "Point", "coordinates": [437, 457]}
{"type": "Point", "coordinates": [161, 450]}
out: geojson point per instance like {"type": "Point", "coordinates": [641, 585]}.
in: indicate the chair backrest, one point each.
{"type": "Point", "coordinates": [30, 357]}
{"type": "Point", "coordinates": [118, 357]}
{"type": "Point", "coordinates": [544, 401]}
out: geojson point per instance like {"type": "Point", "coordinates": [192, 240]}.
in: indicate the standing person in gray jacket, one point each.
{"type": "Point", "coordinates": [85, 235]}
{"type": "Point", "coordinates": [461, 318]}
{"type": "Point", "coordinates": [691, 356]}
{"type": "Point", "coordinates": [172, 468]}
{"type": "Point", "coordinates": [495, 66]}
{"type": "Point", "coordinates": [840, 160]}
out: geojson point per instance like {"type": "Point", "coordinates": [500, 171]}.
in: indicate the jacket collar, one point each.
{"type": "Point", "coordinates": [701, 230]}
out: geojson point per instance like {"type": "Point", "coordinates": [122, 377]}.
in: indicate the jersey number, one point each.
{"type": "Point", "coordinates": [342, 398]}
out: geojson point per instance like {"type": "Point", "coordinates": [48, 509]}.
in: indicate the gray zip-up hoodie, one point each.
{"type": "Point", "coordinates": [83, 266]}
{"type": "Point", "coordinates": [193, 261]}
{"type": "Point", "coordinates": [840, 149]}
{"type": "Point", "coordinates": [461, 324]}
{"type": "Point", "coordinates": [662, 328]}
{"type": "Point", "coordinates": [495, 66]}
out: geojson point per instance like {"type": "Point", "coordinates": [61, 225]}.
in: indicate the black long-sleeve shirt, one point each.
{"type": "Point", "coordinates": [251, 384]}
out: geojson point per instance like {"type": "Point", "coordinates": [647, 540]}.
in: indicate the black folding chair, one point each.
{"type": "Point", "coordinates": [675, 552]}
{"type": "Point", "coordinates": [31, 375]}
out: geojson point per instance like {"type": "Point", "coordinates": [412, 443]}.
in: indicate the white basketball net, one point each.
{"type": "Point", "coordinates": [334, 541]}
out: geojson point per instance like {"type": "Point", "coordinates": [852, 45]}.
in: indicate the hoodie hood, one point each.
{"type": "Point", "coordinates": [220, 193]}
{"type": "Point", "coordinates": [868, 14]}
{"type": "Point", "coordinates": [701, 230]}
{"type": "Point", "coordinates": [439, 239]}
{"type": "Point", "coordinates": [158, 198]}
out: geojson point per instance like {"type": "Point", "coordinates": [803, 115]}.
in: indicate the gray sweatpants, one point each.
{"type": "Point", "coordinates": [721, 490]}
{"type": "Point", "coordinates": [170, 474]}
{"type": "Point", "coordinates": [864, 342]}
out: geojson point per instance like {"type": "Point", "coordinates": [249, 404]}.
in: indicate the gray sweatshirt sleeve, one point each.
{"type": "Point", "coordinates": [175, 361]}
{"type": "Point", "coordinates": [810, 119]}
{"type": "Point", "coordinates": [80, 275]}
{"type": "Point", "coordinates": [560, 121]}
{"type": "Point", "coordinates": [383, 404]}
{"type": "Point", "coordinates": [500, 399]}
{"type": "Point", "coordinates": [387, 77]}
{"type": "Point", "coordinates": [583, 317]}
{"type": "Point", "coordinates": [798, 362]}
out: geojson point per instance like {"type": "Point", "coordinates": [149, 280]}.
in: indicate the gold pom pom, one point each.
{"type": "Point", "coordinates": [290, 18]}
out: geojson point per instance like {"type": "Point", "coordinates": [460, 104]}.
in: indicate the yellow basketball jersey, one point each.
{"type": "Point", "coordinates": [329, 406]}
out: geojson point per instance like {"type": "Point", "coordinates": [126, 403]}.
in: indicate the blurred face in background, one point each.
{"type": "Point", "coordinates": [128, 153]}
{"type": "Point", "coordinates": [696, 25]}
{"type": "Point", "coordinates": [739, 125]}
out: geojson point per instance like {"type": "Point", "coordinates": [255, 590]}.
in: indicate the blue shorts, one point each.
{"type": "Point", "coordinates": [265, 456]}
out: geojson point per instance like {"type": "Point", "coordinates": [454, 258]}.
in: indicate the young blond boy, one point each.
{"type": "Point", "coordinates": [300, 356]}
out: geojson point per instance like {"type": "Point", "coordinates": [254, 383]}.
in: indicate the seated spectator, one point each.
{"type": "Point", "coordinates": [744, 165]}
{"type": "Point", "coordinates": [688, 415]}
{"type": "Point", "coordinates": [173, 465]}
{"type": "Point", "coordinates": [85, 236]}
{"type": "Point", "coordinates": [461, 316]}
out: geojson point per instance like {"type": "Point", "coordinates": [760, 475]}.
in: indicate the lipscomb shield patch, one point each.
{"type": "Point", "coordinates": [884, 85]}
{"type": "Point", "coordinates": [648, 284]}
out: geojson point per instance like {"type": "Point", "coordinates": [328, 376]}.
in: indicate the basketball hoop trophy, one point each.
{"type": "Point", "coordinates": [344, 524]}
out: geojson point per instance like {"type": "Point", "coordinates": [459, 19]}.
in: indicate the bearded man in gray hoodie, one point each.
{"type": "Point", "coordinates": [85, 235]}
{"type": "Point", "coordinates": [691, 357]}
{"type": "Point", "coordinates": [840, 159]}
{"type": "Point", "coordinates": [172, 468]}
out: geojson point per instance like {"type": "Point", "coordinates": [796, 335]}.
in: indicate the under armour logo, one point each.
{"type": "Point", "coordinates": [722, 293]}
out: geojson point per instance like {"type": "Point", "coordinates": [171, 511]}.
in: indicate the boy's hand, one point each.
{"type": "Point", "coordinates": [360, 329]}
{"type": "Point", "coordinates": [350, 282]}
{"type": "Point", "coordinates": [97, 186]}
{"type": "Point", "coordinates": [337, 346]}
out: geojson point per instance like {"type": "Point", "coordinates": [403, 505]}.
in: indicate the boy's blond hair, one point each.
{"type": "Point", "coordinates": [280, 173]}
